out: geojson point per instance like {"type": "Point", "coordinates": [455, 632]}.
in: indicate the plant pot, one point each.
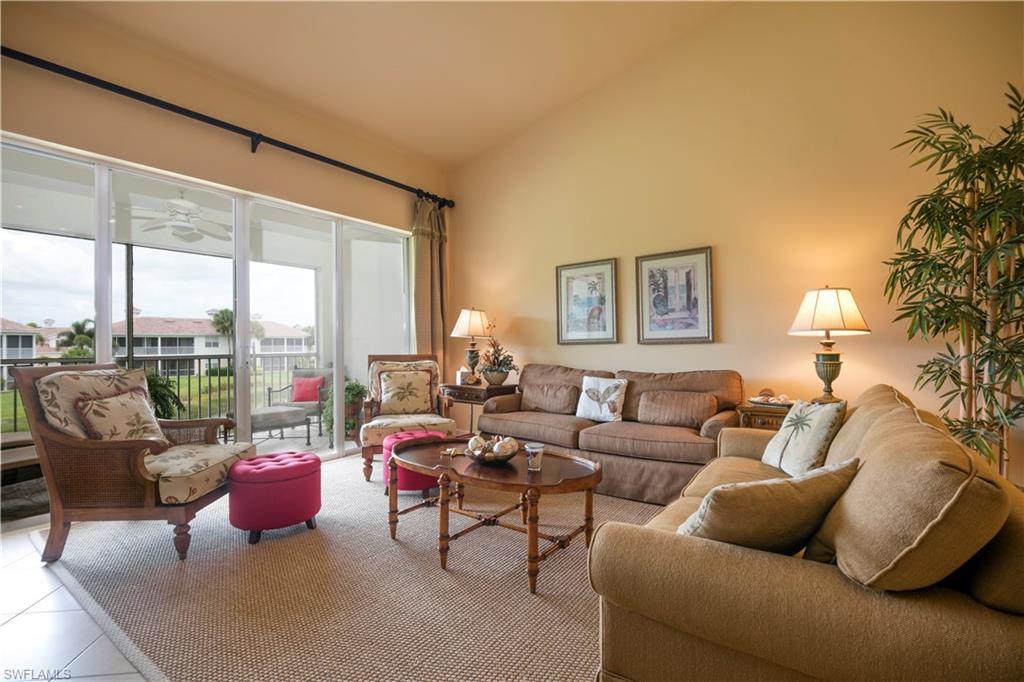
{"type": "Point", "coordinates": [353, 411]}
{"type": "Point", "coordinates": [495, 378]}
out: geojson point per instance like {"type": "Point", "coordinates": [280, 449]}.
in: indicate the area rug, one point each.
{"type": "Point", "coordinates": [344, 601]}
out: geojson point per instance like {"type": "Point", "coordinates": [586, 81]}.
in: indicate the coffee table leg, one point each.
{"type": "Point", "coordinates": [442, 527]}
{"type": "Point", "coordinates": [522, 509]}
{"type": "Point", "coordinates": [460, 493]}
{"type": "Point", "coordinates": [588, 515]}
{"type": "Point", "coordinates": [533, 555]}
{"type": "Point", "coordinates": [392, 496]}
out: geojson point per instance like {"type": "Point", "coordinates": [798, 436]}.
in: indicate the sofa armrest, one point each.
{"type": "Point", "coordinates": [503, 403]}
{"type": "Point", "coordinates": [749, 443]}
{"type": "Point", "coordinates": [712, 427]}
{"type": "Point", "coordinates": [800, 614]}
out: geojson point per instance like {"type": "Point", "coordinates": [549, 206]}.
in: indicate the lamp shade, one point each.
{"type": "Point", "coordinates": [829, 311]}
{"type": "Point", "coordinates": [471, 323]}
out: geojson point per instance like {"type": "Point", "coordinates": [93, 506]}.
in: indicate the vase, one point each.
{"type": "Point", "coordinates": [495, 378]}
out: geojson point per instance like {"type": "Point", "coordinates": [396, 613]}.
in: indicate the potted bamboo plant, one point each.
{"type": "Point", "coordinates": [959, 273]}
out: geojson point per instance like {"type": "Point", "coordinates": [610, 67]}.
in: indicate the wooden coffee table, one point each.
{"type": "Point", "coordinates": [559, 474]}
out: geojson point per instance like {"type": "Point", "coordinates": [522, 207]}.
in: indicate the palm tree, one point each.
{"type": "Point", "coordinates": [80, 336]}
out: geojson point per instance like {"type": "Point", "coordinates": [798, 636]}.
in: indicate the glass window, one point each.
{"type": "Point", "coordinates": [212, 342]}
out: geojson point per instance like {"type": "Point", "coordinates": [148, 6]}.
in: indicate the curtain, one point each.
{"type": "Point", "coordinates": [430, 279]}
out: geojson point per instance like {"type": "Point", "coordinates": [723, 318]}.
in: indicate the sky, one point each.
{"type": "Point", "coordinates": [50, 277]}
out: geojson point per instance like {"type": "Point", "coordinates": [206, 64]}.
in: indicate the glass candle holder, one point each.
{"type": "Point", "coordinates": [534, 456]}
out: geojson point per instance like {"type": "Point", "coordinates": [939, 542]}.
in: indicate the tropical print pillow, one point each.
{"type": "Point", "coordinates": [405, 392]}
{"type": "Point", "coordinates": [601, 399]}
{"type": "Point", "coordinates": [125, 416]}
{"type": "Point", "coordinates": [803, 440]}
{"type": "Point", "coordinates": [59, 391]}
{"type": "Point", "coordinates": [379, 366]}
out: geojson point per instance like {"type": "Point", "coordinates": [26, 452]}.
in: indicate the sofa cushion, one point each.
{"type": "Point", "coordinates": [187, 472]}
{"type": "Point", "coordinates": [802, 441]}
{"type": "Point", "coordinates": [921, 505]}
{"type": "Point", "coordinates": [553, 398]}
{"type": "Point", "coordinates": [669, 518]}
{"type": "Point", "coordinates": [554, 429]}
{"type": "Point", "coordinates": [558, 375]}
{"type": "Point", "coordinates": [993, 576]}
{"type": "Point", "coordinates": [777, 515]}
{"type": "Point", "coordinates": [59, 391]}
{"type": "Point", "coordinates": [601, 399]}
{"type": "Point", "coordinates": [373, 432]}
{"type": "Point", "coordinates": [677, 408]}
{"type": "Point", "coordinates": [725, 384]}
{"type": "Point", "coordinates": [861, 413]}
{"type": "Point", "coordinates": [649, 441]}
{"type": "Point", "coordinates": [723, 470]}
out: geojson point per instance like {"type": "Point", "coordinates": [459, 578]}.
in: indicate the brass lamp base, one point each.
{"type": "Point", "coordinates": [827, 365]}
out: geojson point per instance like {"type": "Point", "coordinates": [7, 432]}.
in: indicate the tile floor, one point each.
{"type": "Point", "coordinates": [44, 633]}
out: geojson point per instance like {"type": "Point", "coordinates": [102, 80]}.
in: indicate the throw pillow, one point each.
{"type": "Point", "coordinates": [405, 392]}
{"type": "Point", "coordinates": [601, 399]}
{"type": "Point", "coordinates": [125, 416]}
{"type": "Point", "coordinates": [802, 442]}
{"type": "Point", "coordinates": [59, 391]}
{"type": "Point", "coordinates": [307, 389]}
{"type": "Point", "coordinates": [550, 398]}
{"type": "Point", "coordinates": [777, 515]}
{"type": "Point", "coordinates": [677, 408]}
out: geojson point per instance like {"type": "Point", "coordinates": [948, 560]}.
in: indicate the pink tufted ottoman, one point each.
{"type": "Point", "coordinates": [274, 491]}
{"type": "Point", "coordinates": [408, 480]}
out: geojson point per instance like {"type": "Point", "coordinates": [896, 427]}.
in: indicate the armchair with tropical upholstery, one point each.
{"type": "Point", "coordinates": [99, 467]}
{"type": "Point", "coordinates": [299, 396]}
{"type": "Point", "coordinates": [403, 395]}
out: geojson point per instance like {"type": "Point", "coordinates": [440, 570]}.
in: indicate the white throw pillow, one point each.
{"type": "Point", "coordinates": [802, 442]}
{"type": "Point", "coordinates": [601, 399]}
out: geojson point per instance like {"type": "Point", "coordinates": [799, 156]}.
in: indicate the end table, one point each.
{"type": "Point", "coordinates": [768, 417]}
{"type": "Point", "coordinates": [474, 394]}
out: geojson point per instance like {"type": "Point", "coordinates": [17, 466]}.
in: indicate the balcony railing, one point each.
{"type": "Point", "coordinates": [204, 383]}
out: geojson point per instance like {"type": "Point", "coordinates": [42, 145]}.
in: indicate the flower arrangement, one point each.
{"type": "Point", "coordinates": [497, 359]}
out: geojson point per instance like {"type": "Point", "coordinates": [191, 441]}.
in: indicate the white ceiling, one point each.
{"type": "Point", "coordinates": [445, 80]}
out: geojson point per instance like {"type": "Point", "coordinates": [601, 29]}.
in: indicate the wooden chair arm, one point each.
{"type": "Point", "coordinates": [59, 448]}
{"type": "Point", "coordinates": [370, 408]}
{"type": "Point", "coordinates": [183, 431]}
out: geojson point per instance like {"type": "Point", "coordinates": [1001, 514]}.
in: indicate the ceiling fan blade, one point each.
{"type": "Point", "coordinates": [188, 236]}
{"type": "Point", "coordinates": [155, 224]}
{"type": "Point", "coordinates": [147, 213]}
{"type": "Point", "coordinates": [212, 229]}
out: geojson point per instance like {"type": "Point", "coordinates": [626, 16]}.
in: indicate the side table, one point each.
{"type": "Point", "coordinates": [768, 417]}
{"type": "Point", "coordinates": [474, 395]}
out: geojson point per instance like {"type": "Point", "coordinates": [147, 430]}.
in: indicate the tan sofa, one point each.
{"type": "Point", "coordinates": [641, 461]}
{"type": "Point", "coordinates": [933, 530]}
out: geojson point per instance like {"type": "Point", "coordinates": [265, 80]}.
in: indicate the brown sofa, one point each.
{"type": "Point", "coordinates": [933, 536]}
{"type": "Point", "coordinates": [641, 461]}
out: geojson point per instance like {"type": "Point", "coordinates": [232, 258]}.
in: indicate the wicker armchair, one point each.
{"type": "Point", "coordinates": [107, 480]}
{"type": "Point", "coordinates": [376, 426]}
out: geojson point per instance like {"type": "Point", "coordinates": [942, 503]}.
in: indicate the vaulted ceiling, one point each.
{"type": "Point", "coordinates": [445, 80]}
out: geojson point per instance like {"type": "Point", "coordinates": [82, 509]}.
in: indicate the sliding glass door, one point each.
{"type": "Point", "coordinates": [235, 300]}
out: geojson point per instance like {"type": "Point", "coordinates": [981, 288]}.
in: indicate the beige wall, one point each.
{"type": "Point", "coordinates": [53, 108]}
{"type": "Point", "coordinates": [765, 134]}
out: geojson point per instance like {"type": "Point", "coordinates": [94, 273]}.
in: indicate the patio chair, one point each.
{"type": "Point", "coordinates": [314, 409]}
{"type": "Point", "coordinates": [120, 480]}
{"type": "Point", "coordinates": [384, 414]}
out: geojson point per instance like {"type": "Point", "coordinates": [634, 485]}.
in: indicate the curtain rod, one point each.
{"type": "Point", "coordinates": [255, 138]}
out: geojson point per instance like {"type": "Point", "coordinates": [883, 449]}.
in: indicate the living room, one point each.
{"type": "Point", "coordinates": [649, 207]}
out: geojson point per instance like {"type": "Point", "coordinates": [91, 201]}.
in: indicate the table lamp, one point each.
{"type": "Point", "coordinates": [828, 312]}
{"type": "Point", "coordinates": [472, 323]}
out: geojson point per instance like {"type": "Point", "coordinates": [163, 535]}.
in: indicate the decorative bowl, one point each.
{"type": "Point", "coordinates": [489, 456]}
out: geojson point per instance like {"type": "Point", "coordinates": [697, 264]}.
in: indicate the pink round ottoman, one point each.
{"type": "Point", "coordinates": [274, 491]}
{"type": "Point", "coordinates": [408, 480]}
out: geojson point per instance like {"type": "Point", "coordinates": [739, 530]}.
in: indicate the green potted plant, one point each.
{"type": "Point", "coordinates": [959, 273]}
{"type": "Point", "coordinates": [355, 391]}
{"type": "Point", "coordinates": [496, 363]}
{"type": "Point", "coordinates": [166, 403]}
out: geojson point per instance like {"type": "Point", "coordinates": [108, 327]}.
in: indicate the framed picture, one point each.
{"type": "Point", "coordinates": [586, 302]}
{"type": "Point", "coordinates": [673, 293]}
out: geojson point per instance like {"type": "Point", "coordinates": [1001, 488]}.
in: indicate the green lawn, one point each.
{"type": "Point", "coordinates": [203, 396]}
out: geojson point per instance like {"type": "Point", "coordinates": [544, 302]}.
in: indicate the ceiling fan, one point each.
{"type": "Point", "coordinates": [184, 219]}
